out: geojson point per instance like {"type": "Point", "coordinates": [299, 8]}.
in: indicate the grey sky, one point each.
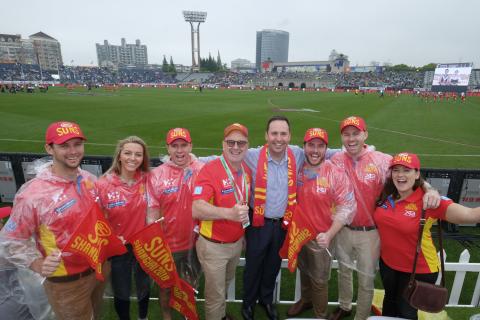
{"type": "Point", "coordinates": [414, 32]}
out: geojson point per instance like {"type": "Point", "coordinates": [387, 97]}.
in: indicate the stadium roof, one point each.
{"type": "Point", "coordinates": [42, 35]}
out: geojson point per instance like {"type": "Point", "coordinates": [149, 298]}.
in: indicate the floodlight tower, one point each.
{"type": "Point", "coordinates": [195, 17]}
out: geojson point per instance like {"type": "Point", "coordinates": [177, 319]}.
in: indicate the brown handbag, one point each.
{"type": "Point", "coordinates": [423, 295]}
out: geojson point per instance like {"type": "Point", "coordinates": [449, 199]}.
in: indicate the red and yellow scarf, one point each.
{"type": "Point", "coordinates": [261, 188]}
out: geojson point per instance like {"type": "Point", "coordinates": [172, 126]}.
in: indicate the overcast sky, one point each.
{"type": "Point", "coordinates": [414, 32]}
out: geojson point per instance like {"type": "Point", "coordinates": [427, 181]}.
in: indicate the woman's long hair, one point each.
{"type": "Point", "coordinates": [390, 189]}
{"type": "Point", "coordinates": [117, 166]}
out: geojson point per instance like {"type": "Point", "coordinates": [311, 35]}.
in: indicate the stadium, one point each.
{"type": "Point", "coordinates": [420, 110]}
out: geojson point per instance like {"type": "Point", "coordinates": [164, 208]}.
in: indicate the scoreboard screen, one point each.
{"type": "Point", "coordinates": [451, 77]}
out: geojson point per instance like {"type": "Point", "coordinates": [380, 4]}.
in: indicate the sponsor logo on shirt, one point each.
{"type": "Point", "coordinates": [170, 190]}
{"type": "Point", "coordinates": [410, 213]}
{"type": "Point", "coordinates": [371, 168]}
{"type": "Point", "coordinates": [322, 185]}
{"type": "Point", "coordinates": [112, 205]}
{"type": "Point", "coordinates": [10, 226]}
{"type": "Point", "coordinates": [321, 189]}
{"type": "Point", "coordinates": [226, 183]}
{"type": "Point", "coordinates": [227, 191]}
{"type": "Point", "coordinates": [198, 190]}
{"type": "Point", "coordinates": [65, 206]}
{"type": "Point", "coordinates": [168, 182]}
{"type": "Point", "coordinates": [113, 196]}
{"type": "Point", "coordinates": [370, 176]}
{"type": "Point", "coordinates": [411, 206]}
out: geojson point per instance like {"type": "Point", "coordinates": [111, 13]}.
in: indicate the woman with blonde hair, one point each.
{"type": "Point", "coordinates": [122, 191]}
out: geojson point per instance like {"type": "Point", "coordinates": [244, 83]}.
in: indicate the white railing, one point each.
{"type": "Point", "coordinates": [460, 268]}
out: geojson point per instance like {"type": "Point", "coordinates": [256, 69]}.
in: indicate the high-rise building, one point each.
{"type": "Point", "coordinates": [272, 45]}
{"type": "Point", "coordinates": [123, 55]}
{"type": "Point", "coordinates": [47, 51]}
{"type": "Point", "coordinates": [14, 49]}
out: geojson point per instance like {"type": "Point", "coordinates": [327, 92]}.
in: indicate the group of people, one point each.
{"type": "Point", "coordinates": [364, 206]}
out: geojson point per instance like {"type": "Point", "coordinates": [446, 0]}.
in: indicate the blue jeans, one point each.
{"type": "Point", "coordinates": [122, 268]}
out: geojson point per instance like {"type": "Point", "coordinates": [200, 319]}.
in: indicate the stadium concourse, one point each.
{"type": "Point", "coordinates": [387, 80]}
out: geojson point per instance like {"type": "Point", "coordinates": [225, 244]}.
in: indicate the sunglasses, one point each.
{"type": "Point", "coordinates": [239, 143]}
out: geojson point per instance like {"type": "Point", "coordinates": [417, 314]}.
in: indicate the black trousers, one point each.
{"type": "Point", "coordinates": [122, 268]}
{"type": "Point", "coordinates": [262, 262]}
{"type": "Point", "coordinates": [395, 282]}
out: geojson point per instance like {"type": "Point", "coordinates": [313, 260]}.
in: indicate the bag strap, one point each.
{"type": "Point", "coordinates": [440, 244]}
{"type": "Point", "coordinates": [417, 249]}
{"type": "Point", "coordinates": [419, 244]}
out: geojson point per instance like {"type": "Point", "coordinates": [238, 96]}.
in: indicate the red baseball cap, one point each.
{"type": "Point", "coordinates": [178, 133]}
{"type": "Point", "coordinates": [235, 126]}
{"type": "Point", "coordinates": [355, 121]}
{"type": "Point", "coordinates": [62, 131]}
{"type": "Point", "coordinates": [409, 160]}
{"type": "Point", "coordinates": [313, 133]}
{"type": "Point", "coordinates": [5, 212]}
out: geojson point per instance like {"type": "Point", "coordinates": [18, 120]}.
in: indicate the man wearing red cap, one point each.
{"type": "Point", "coordinates": [325, 196]}
{"type": "Point", "coordinates": [170, 189]}
{"type": "Point", "coordinates": [49, 208]}
{"type": "Point", "coordinates": [367, 171]}
{"type": "Point", "coordinates": [220, 198]}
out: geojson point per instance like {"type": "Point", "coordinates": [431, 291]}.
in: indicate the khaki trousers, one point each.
{"type": "Point", "coordinates": [219, 262]}
{"type": "Point", "coordinates": [363, 246]}
{"type": "Point", "coordinates": [315, 263]}
{"type": "Point", "coordinates": [81, 299]}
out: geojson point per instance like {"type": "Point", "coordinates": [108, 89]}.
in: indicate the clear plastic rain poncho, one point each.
{"type": "Point", "coordinates": [325, 195]}
{"type": "Point", "coordinates": [42, 220]}
{"type": "Point", "coordinates": [125, 207]}
{"type": "Point", "coordinates": [368, 175]}
{"type": "Point", "coordinates": [170, 193]}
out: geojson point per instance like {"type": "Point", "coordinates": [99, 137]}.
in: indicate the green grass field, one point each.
{"type": "Point", "coordinates": [445, 134]}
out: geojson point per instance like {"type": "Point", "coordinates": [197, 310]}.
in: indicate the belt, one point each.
{"type": "Point", "coordinates": [71, 277]}
{"type": "Point", "coordinates": [362, 228]}
{"type": "Point", "coordinates": [274, 220]}
{"type": "Point", "coordinates": [213, 240]}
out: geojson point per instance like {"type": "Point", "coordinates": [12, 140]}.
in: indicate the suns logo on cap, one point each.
{"type": "Point", "coordinates": [178, 133]}
{"type": "Point", "coordinates": [67, 128]}
{"type": "Point", "coordinates": [316, 132]}
{"type": "Point", "coordinates": [351, 121]}
{"type": "Point", "coordinates": [403, 157]}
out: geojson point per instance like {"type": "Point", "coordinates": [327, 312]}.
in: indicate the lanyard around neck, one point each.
{"type": "Point", "coordinates": [238, 193]}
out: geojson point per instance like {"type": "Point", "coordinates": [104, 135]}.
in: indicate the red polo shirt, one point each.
{"type": "Point", "coordinates": [398, 225]}
{"type": "Point", "coordinates": [213, 186]}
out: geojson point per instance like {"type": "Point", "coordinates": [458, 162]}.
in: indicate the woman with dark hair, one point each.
{"type": "Point", "coordinates": [397, 217]}
{"type": "Point", "coordinates": [122, 191]}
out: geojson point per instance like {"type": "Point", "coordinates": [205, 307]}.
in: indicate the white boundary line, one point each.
{"type": "Point", "coordinates": [391, 131]}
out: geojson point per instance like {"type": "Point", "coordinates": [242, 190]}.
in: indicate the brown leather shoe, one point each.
{"type": "Point", "coordinates": [298, 307]}
{"type": "Point", "coordinates": [339, 313]}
